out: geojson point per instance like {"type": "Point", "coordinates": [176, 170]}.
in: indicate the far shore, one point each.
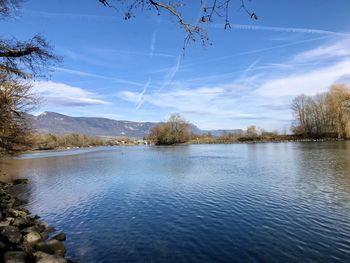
{"type": "Point", "coordinates": [197, 141]}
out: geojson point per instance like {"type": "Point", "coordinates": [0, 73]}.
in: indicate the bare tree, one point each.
{"type": "Point", "coordinates": [325, 114]}
{"type": "Point", "coordinates": [174, 131]}
{"type": "Point", "coordinates": [16, 98]}
{"type": "Point", "coordinates": [209, 10]}
{"type": "Point", "coordinates": [26, 59]}
{"type": "Point", "coordinates": [19, 61]}
{"type": "Point", "coordinates": [8, 7]}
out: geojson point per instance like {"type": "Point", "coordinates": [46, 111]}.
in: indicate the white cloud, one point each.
{"type": "Point", "coordinates": [308, 83]}
{"type": "Point", "coordinates": [59, 94]}
{"type": "Point", "coordinates": [261, 95]}
{"type": "Point", "coordinates": [338, 49]}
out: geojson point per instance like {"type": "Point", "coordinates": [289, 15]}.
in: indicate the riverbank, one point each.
{"type": "Point", "coordinates": [25, 238]}
{"type": "Point", "coordinates": [248, 140]}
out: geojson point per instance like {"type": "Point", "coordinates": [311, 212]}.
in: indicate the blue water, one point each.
{"type": "Point", "coordinates": [284, 202]}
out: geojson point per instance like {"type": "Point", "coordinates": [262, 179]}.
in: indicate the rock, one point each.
{"type": "Point", "coordinates": [4, 223]}
{"type": "Point", "coordinates": [44, 235]}
{"type": "Point", "coordinates": [32, 238]}
{"type": "Point", "coordinates": [15, 257]}
{"type": "Point", "coordinates": [53, 247]}
{"type": "Point", "coordinates": [24, 210]}
{"type": "Point", "coordinates": [52, 259]}
{"type": "Point", "coordinates": [18, 202]}
{"type": "Point", "coordinates": [10, 220]}
{"type": "Point", "coordinates": [21, 222]}
{"type": "Point", "coordinates": [60, 237]}
{"type": "Point", "coordinates": [20, 181]}
{"type": "Point", "coordinates": [31, 229]}
{"type": "Point", "coordinates": [39, 255]}
{"type": "Point", "coordinates": [11, 234]}
{"type": "Point", "coordinates": [17, 213]}
{"type": "Point", "coordinates": [43, 225]}
{"type": "Point", "coordinates": [50, 229]}
{"type": "Point", "coordinates": [2, 246]}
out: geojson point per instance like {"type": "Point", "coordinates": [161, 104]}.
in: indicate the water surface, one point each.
{"type": "Point", "coordinates": [200, 203]}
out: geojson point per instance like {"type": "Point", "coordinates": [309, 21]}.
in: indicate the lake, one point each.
{"type": "Point", "coordinates": [272, 202]}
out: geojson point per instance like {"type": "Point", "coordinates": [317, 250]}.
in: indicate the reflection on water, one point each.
{"type": "Point", "coordinates": [220, 203]}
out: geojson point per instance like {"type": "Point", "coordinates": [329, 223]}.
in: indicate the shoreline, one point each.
{"type": "Point", "coordinates": [217, 141]}
{"type": "Point", "coordinates": [212, 141]}
{"type": "Point", "coordinates": [25, 238]}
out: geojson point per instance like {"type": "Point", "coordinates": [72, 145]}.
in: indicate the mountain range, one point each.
{"type": "Point", "coordinates": [56, 123]}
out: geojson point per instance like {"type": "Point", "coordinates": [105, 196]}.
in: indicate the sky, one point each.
{"type": "Point", "coordinates": [136, 70]}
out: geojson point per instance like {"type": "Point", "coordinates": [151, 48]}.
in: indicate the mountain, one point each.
{"type": "Point", "coordinates": [218, 133]}
{"type": "Point", "coordinates": [52, 122]}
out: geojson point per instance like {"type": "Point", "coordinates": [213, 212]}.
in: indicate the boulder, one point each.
{"type": "Point", "coordinates": [20, 181]}
{"type": "Point", "coordinates": [47, 258]}
{"type": "Point", "coordinates": [15, 257]}
{"type": "Point", "coordinates": [60, 237]}
{"type": "Point", "coordinates": [52, 259]}
{"type": "Point", "coordinates": [53, 247]}
{"type": "Point", "coordinates": [2, 247]}
{"type": "Point", "coordinates": [17, 213]}
{"type": "Point", "coordinates": [32, 238]}
{"type": "Point", "coordinates": [44, 235]}
{"type": "Point", "coordinates": [31, 229]}
{"type": "Point", "coordinates": [43, 225]}
{"type": "Point", "coordinates": [22, 222]}
{"type": "Point", "coordinates": [4, 223]}
{"type": "Point", "coordinates": [10, 234]}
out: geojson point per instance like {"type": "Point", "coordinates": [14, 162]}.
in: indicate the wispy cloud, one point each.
{"type": "Point", "coordinates": [92, 75]}
{"type": "Point", "coordinates": [109, 51]}
{"type": "Point", "coordinates": [309, 83]}
{"type": "Point", "coordinates": [260, 95]}
{"type": "Point", "coordinates": [254, 51]}
{"type": "Point", "coordinates": [153, 44]}
{"type": "Point", "coordinates": [338, 49]}
{"type": "Point", "coordinates": [76, 16]}
{"type": "Point", "coordinates": [59, 94]}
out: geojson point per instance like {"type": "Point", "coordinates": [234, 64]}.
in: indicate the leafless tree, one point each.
{"type": "Point", "coordinates": [325, 114]}
{"type": "Point", "coordinates": [8, 7]}
{"type": "Point", "coordinates": [173, 131]}
{"type": "Point", "coordinates": [19, 61]}
{"type": "Point", "coordinates": [210, 10]}
{"type": "Point", "coordinates": [16, 98]}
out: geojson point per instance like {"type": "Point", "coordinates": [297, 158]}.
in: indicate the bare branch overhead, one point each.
{"type": "Point", "coordinates": [210, 10]}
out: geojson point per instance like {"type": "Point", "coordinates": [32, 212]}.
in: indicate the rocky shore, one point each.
{"type": "Point", "coordinates": [25, 238]}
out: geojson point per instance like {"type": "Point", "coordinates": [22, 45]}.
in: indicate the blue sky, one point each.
{"type": "Point", "coordinates": [135, 70]}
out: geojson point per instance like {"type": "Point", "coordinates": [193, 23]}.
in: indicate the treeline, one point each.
{"type": "Point", "coordinates": [74, 140]}
{"type": "Point", "coordinates": [176, 130]}
{"type": "Point", "coordinates": [251, 134]}
{"type": "Point", "coordinates": [324, 115]}
{"type": "Point", "coordinates": [52, 141]}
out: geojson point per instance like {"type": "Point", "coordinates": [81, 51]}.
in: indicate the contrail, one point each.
{"type": "Point", "coordinates": [153, 43]}
{"type": "Point", "coordinates": [255, 51]}
{"type": "Point", "coordinates": [287, 29]}
{"type": "Point", "coordinates": [141, 98]}
{"type": "Point", "coordinates": [251, 66]}
{"type": "Point", "coordinates": [171, 73]}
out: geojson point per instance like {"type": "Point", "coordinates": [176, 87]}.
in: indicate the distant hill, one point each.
{"type": "Point", "coordinates": [52, 122]}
